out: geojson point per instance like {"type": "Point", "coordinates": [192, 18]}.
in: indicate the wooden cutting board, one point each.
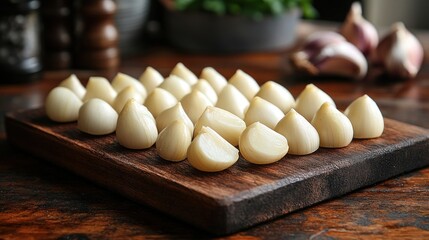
{"type": "Point", "coordinates": [224, 202]}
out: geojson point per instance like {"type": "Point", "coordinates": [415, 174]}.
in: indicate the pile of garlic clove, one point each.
{"type": "Point", "coordinates": [210, 121]}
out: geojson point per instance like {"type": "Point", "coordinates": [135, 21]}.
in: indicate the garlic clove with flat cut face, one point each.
{"type": "Point", "coordinates": [246, 84]}
{"type": "Point", "coordinates": [151, 79]}
{"type": "Point", "coordinates": [233, 101]}
{"type": "Point", "coordinates": [121, 81]}
{"type": "Point", "coordinates": [97, 117]}
{"type": "Point", "coordinates": [99, 87]}
{"type": "Point", "coordinates": [203, 86]}
{"type": "Point", "coordinates": [277, 95]}
{"type": "Point", "coordinates": [216, 80]}
{"type": "Point", "coordinates": [184, 73]}
{"type": "Point", "coordinates": [176, 86]}
{"type": "Point", "coordinates": [173, 141]}
{"type": "Point", "coordinates": [172, 114]}
{"type": "Point", "coordinates": [310, 100]}
{"type": "Point", "coordinates": [123, 96]}
{"type": "Point", "coordinates": [194, 104]}
{"type": "Point", "coordinates": [62, 105]}
{"type": "Point", "coordinates": [159, 100]}
{"type": "Point", "coordinates": [73, 83]}
{"type": "Point", "coordinates": [262, 111]}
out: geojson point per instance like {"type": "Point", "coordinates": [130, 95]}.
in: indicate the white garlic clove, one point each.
{"type": "Point", "coordinates": [173, 141]}
{"type": "Point", "coordinates": [310, 100]}
{"type": "Point", "coordinates": [277, 95]}
{"type": "Point", "coordinates": [366, 118]}
{"type": "Point", "coordinates": [216, 80]}
{"type": "Point", "coordinates": [176, 86]}
{"type": "Point", "coordinates": [99, 87]}
{"type": "Point", "coordinates": [203, 86]}
{"type": "Point", "coordinates": [151, 79]}
{"type": "Point", "coordinates": [62, 105]}
{"type": "Point", "coordinates": [123, 96]}
{"type": "Point", "coordinates": [194, 104]}
{"type": "Point", "coordinates": [209, 152]}
{"type": "Point", "coordinates": [262, 111]}
{"type": "Point", "coordinates": [97, 117]}
{"type": "Point", "coordinates": [228, 125]}
{"type": "Point", "coordinates": [302, 137]}
{"type": "Point", "coordinates": [159, 100]}
{"type": "Point", "coordinates": [136, 127]}
{"type": "Point", "coordinates": [334, 128]}
{"type": "Point", "coordinates": [184, 73]}
{"type": "Point", "coordinates": [73, 83]}
{"type": "Point", "coordinates": [172, 114]}
{"type": "Point", "coordinates": [260, 144]}
{"type": "Point", "coordinates": [246, 84]}
{"type": "Point", "coordinates": [232, 100]}
{"type": "Point", "coordinates": [121, 81]}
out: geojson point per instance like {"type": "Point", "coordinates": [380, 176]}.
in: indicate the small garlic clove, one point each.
{"type": "Point", "coordinates": [121, 81]}
{"type": "Point", "coordinates": [172, 114]}
{"type": "Point", "coordinates": [173, 141]}
{"type": "Point", "coordinates": [99, 87]}
{"type": "Point", "coordinates": [277, 95]}
{"type": "Point", "coordinates": [151, 79]}
{"type": "Point", "coordinates": [302, 137]}
{"type": "Point", "coordinates": [228, 125]}
{"type": "Point", "coordinates": [194, 104]}
{"type": "Point", "coordinates": [97, 117]}
{"type": "Point", "coordinates": [366, 118]}
{"type": "Point", "coordinates": [62, 105]}
{"type": "Point", "coordinates": [136, 127]}
{"type": "Point", "coordinates": [262, 111]}
{"type": "Point", "coordinates": [260, 144]}
{"type": "Point", "coordinates": [334, 128]}
{"type": "Point", "coordinates": [184, 73]}
{"type": "Point", "coordinates": [73, 83]}
{"type": "Point", "coordinates": [216, 80]}
{"type": "Point", "coordinates": [310, 100]}
{"type": "Point", "coordinates": [246, 84]}
{"type": "Point", "coordinates": [209, 152]}
{"type": "Point", "coordinates": [203, 86]}
{"type": "Point", "coordinates": [176, 86]}
{"type": "Point", "coordinates": [159, 100]}
{"type": "Point", "coordinates": [123, 96]}
{"type": "Point", "coordinates": [232, 100]}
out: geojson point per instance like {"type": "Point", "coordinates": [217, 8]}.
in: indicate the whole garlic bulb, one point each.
{"type": "Point", "coordinates": [62, 105]}
{"type": "Point", "coordinates": [310, 100]}
{"type": "Point", "coordinates": [97, 117]}
{"type": "Point", "coordinates": [173, 141]}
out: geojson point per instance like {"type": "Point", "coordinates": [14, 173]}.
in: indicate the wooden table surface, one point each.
{"type": "Point", "coordinates": [41, 201]}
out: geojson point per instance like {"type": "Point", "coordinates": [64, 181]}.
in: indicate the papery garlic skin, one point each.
{"type": "Point", "coordinates": [121, 81]}
{"type": "Point", "coordinates": [99, 87]}
{"type": "Point", "coordinates": [97, 117]}
{"type": "Point", "coordinates": [334, 128]}
{"type": "Point", "coordinates": [159, 100]}
{"type": "Point", "coordinates": [204, 86]}
{"type": "Point", "coordinates": [172, 114]}
{"type": "Point", "coordinates": [173, 141]}
{"type": "Point", "coordinates": [136, 128]}
{"type": "Point", "coordinates": [232, 100]}
{"type": "Point", "coordinates": [260, 110]}
{"type": "Point", "coordinates": [216, 80]}
{"type": "Point", "coordinates": [73, 83]}
{"type": "Point", "coordinates": [310, 100]}
{"type": "Point", "coordinates": [176, 86]}
{"type": "Point", "coordinates": [260, 144]}
{"type": "Point", "coordinates": [246, 84]}
{"type": "Point", "coordinates": [277, 95]}
{"type": "Point", "coordinates": [302, 137]}
{"type": "Point", "coordinates": [194, 104]}
{"type": "Point", "coordinates": [316, 41]}
{"type": "Point", "coordinates": [151, 79]}
{"type": "Point", "coordinates": [124, 96]}
{"type": "Point", "coordinates": [184, 73]}
{"type": "Point", "coordinates": [62, 105]}
{"type": "Point", "coordinates": [366, 118]}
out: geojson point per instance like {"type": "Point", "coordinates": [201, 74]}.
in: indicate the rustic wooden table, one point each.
{"type": "Point", "coordinates": [41, 201]}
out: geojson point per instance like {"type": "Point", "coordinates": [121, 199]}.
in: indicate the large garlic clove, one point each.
{"type": "Point", "coordinates": [262, 111]}
{"type": "Point", "coordinates": [302, 137]}
{"type": "Point", "coordinates": [73, 83]}
{"type": "Point", "coordinates": [159, 100]}
{"type": "Point", "coordinates": [194, 104]}
{"type": "Point", "coordinates": [121, 81]}
{"type": "Point", "coordinates": [173, 142]}
{"type": "Point", "coordinates": [209, 152]}
{"type": "Point", "coordinates": [228, 125]}
{"type": "Point", "coordinates": [246, 84]}
{"type": "Point", "coordinates": [99, 87]}
{"type": "Point", "coordinates": [203, 86]}
{"type": "Point", "coordinates": [183, 72]}
{"type": "Point", "coordinates": [151, 79]}
{"type": "Point", "coordinates": [366, 118]}
{"type": "Point", "coordinates": [172, 114]}
{"type": "Point", "coordinates": [232, 100]}
{"type": "Point", "coordinates": [123, 96]}
{"type": "Point", "coordinates": [216, 80]}
{"type": "Point", "coordinates": [97, 117]}
{"type": "Point", "coordinates": [310, 100]}
{"type": "Point", "coordinates": [334, 128]}
{"type": "Point", "coordinates": [260, 144]}
{"type": "Point", "coordinates": [359, 31]}
{"type": "Point", "coordinates": [62, 105]}
{"type": "Point", "coordinates": [400, 52]}
{"type": "Point", "coordinates": [136, 127]}
{"type": "Point", "coordinates": [277, 95]}
{"type": "Point", "coordinates": [176, 86]}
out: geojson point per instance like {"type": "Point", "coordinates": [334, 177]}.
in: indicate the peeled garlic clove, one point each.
{"type": "Point", "coordinates": [194, 104]}
{"type": "Point", "coordinates": [228, 125]}
{"type": "Point", "coordinates": [183, 72]}
{"type": "Point", "coordinates": [262, 111]}
{"type": "Point", "coordinates": [159, 100]}
{"type": "Point", "coordinates": [334, 128]}
{"type": "Point", "coordinates": [151, 79]}
{"type": "Point", "coordinates": [173, 142]}
{"type": "Point", "coordinates": [366, 118]}
{"type": "Point", "coordinates": [310, 100]}
{"type": "Point", "coordinates": [121, 81]}
{"type": "Point", "coordinates": [232, 100]}
{"type": "Point", "coordinates": [245, 84]}
{"type": "Point", "coordinates": [172, 114]}
{"type": "Point", "coordinates": [176, 86]}
{"type": "Point", "coordinates": [99, 87]}
{"type": "Point", "coordinates": [97, 117]}
{"type": "Point", "coordinates": [209, 152]}
{"type": "Point", "coordinates": [125, 95]}
{"type": "Point", "coordinates": [73, 83]}
{"type": "Point", "coordinates": [359, 31]}
{"type": "Point", "coordinates": [302, 137]}
{"type": "Point", "coordinates": [260, 144]}
{"type": "Point", "coordinates": [400, 52]}
{"type": "Point", "coordinates": [277, 95]}
{"type": "Point", "coordinates": [62, 105]}
{"type": "Point", "coordinates": [216, 80]}
{"type": "Point", "coordinates": [203, 86]}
